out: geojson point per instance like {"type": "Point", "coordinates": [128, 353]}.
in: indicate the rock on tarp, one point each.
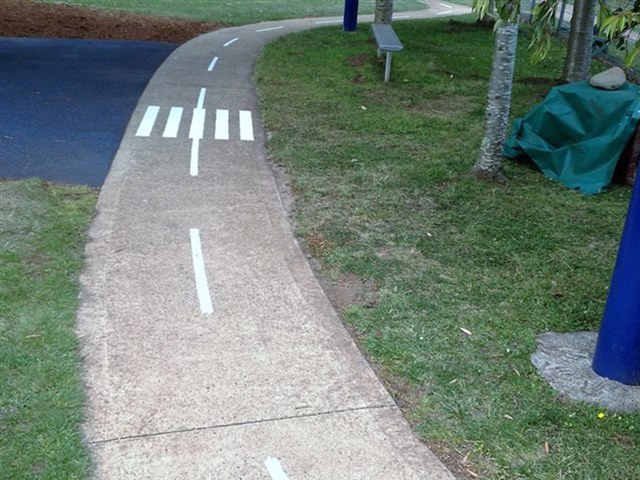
{"type": "Point", "coordinates": [576, 135]}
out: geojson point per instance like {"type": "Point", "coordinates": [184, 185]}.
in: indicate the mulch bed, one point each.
{"type": "Point", "coordinates": [26, 18]}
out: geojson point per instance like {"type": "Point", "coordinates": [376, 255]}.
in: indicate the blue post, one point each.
{"type": "Point", "coordinates": [350, 22]}
{"type": "Point", "coordinates": [617, 354]}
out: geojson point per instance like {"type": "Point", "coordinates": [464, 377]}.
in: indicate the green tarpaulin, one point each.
{"type": "Point", "coordinates": [576, 135]}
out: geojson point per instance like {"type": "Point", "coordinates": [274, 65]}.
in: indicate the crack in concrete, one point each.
{"type": "Point", "coordinates": [238, 424]}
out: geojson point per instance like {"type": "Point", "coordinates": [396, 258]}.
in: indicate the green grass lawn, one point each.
{"type": "Point", "coordinates": [236, 12]}
{"type": "Point", "coordinates": [461, 276]}
{"type": "Point", "coordinates": [42, 237]}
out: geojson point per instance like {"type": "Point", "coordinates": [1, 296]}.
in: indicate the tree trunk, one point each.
{"type": "Point", "coordinates": [384, 11]}
{"type": "Point", "coordinates": [578, 58]}
{"type": "Point", "coordinates": [489, 162]}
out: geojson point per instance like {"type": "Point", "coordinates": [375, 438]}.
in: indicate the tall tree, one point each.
{"type": "Point", "coordinates": [383, 11]}
{"type": "Point", "coordinates": [578, 57]}
{"type": "Point", "coordinates": [489, 161]}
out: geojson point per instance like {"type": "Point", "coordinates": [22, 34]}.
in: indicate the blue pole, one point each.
{"type": "Point", "coordinates": [350, 22]}
{"type": "Point", "coordinates": [617, 354]}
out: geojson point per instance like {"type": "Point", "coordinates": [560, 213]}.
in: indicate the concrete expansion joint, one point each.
{"type": "Point", "coordinates": [241, 424]}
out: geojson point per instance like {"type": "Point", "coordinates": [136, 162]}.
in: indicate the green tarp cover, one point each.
{"type": "Point", "coordinates": [576, 135]}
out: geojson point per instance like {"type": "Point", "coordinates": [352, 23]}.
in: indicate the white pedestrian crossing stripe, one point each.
{"type": "Point", "coordinates": [149, 118]}
{"type": "Point", "coordinates": [173, 123]}
{"type": "Point", "coordinates": [246, 126]}
{"type": "Point", "coordinates": [221, 123]}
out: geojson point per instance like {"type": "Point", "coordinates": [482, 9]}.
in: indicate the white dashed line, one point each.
{"type": "Point", "coordinates": [202, 285]}
{"type": "Point", "coordinates": [445, 13]}
{"type": "Point", "coordinates": [233, 40]}
{"type": "Point", "coordinates": [196, 133]}
{"type": "Point", "coordinates": [401, 16]}
{"type": "Point", "coordinates": [203, 92]}
{"type": "Point", "coordinates": [323, 22]}
{"type": "Point", "coordinates": [173, 123]}
{"type": "Point", "coordinates": [268, 29]}
{"type": "Point", "coordinates": [195, 157]}
{"type": "Point", "coordinates": [445, 5]}
{"type": "Point", "coordinates": [222, 125]}
{"type": "Point", "coordinates": [246, 126]}
{"type": "Point", "coordinates": [275, 469]}
{"type": "Point", "coordinates": [148, 120]}
{"type": "Point", "coordinates": [212, 64]}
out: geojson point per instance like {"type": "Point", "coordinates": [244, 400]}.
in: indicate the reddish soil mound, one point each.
{"type": "Point", "coordinates": [26, 18]}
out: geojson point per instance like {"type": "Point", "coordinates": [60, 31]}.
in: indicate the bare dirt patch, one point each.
{"type": "Point", "coordinates": [26, 18]}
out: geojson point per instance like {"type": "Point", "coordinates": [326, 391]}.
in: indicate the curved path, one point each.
{"type": "Point", "coordinates": [210, 351]}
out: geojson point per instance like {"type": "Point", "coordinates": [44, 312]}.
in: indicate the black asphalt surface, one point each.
{"type": "Point", "coordinates": [64, 104]}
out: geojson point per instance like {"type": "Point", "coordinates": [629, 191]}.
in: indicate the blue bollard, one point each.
{"type": "Point", "coordinates": [617, 354]}
{"type": "Point", "coordinates": [350, 22]}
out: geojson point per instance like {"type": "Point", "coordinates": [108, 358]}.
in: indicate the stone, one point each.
{"type": "Point", "coordinates": [611, 79]}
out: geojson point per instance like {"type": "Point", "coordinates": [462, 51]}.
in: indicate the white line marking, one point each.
{"type": "Point", "coordinates": [148, 120]}
{"type": "Point", "coordinates": [445, 5]}
{"type": "Point", "coordinates": [402, 16]}
{"type": "Point", "coordinates": [201, 275]}
{"type": "Point", "coordinates": [445, 13]}
{"type": "Point", "coordinates": [203, 92]}
{"type": "Point", "coordinates": [268, 29]}
{"type": "Point", "coordinates": [222, 125]}
{"type": "Point", "coordinates": [321, 22]}
{"type": "Point", "coordinates": [275, 469]}
{"type": "Point", "coordinates": [233, 40]}
{"type": "Point", "coordinates": [212, 64]}
{"type": "Point", "coordinates": [195, 153]}
{"type": "Point", "coordinates": [246, 126]}
{"type": "Point", "coordinates": [197, 123]}
{"type": "Point", "coordinates": [173, 123]}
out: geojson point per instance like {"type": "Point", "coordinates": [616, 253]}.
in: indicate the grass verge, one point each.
{"type": "Point", "coordinates": [241, 12]}
{"type": "Point", "coordinates": [42, 237]}
{"type": "Point", "coordinates": [461, 276]}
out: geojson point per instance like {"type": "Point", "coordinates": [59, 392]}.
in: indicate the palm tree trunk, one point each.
{"type": "Point", "coordinates": [489, 162]}
{"type": "Point", "coordinates": [383, 11]}
{"type": "Point", "coordinates": [578, 58]}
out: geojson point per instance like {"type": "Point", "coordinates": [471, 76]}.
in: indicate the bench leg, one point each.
{"type": "Point", "coordinates": [387, 68]}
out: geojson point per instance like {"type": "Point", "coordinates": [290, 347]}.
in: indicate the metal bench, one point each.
{"type": "Point", "coordinates": [388, 42]}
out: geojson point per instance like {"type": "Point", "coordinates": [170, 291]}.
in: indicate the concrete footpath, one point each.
{"type": "Point", "coordinates": [209, 349]}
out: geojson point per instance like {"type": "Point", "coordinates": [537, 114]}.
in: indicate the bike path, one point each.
{"type": "Point", "coordinates": [209, 348]}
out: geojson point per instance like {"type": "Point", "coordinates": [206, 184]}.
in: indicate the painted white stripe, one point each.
{"type": "Point", "coordinates": [401, 16]}
{"type": "Point", "coordinates": [202, 285]}
{"type": "Point", "coordinates": [445, 5]}
{"type": "Point", "coordinates": [445, 13]}
{"type": "Point", "coordinates": [222, 125]}
{"type": "Point", "coordinates": [268, 29]}
{"type": "Point", "coordinates": [322, 22]}
{"type": "Point", "coordinates": [197, 123]}
{"type": "Point", "coordinates": [148, 120]}
{"type": "Point", "coordinates": [246, 126]}
{"type": "Point", "coordinates": [173, 123]}
{"type": "Point", "coordinates": [275, 469]}
{"type": "Point", "coordinates": [203, 92]}
{"type": "Point", "coordinates": [233, 40]}
{"type": "Point", "coordinates": [195, 157]}
{"type": "Point", "coordinates": [212, 64]}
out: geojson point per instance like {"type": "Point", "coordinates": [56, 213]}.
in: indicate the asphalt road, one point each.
{"type": "Point", "coordinates": [65, 104]}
